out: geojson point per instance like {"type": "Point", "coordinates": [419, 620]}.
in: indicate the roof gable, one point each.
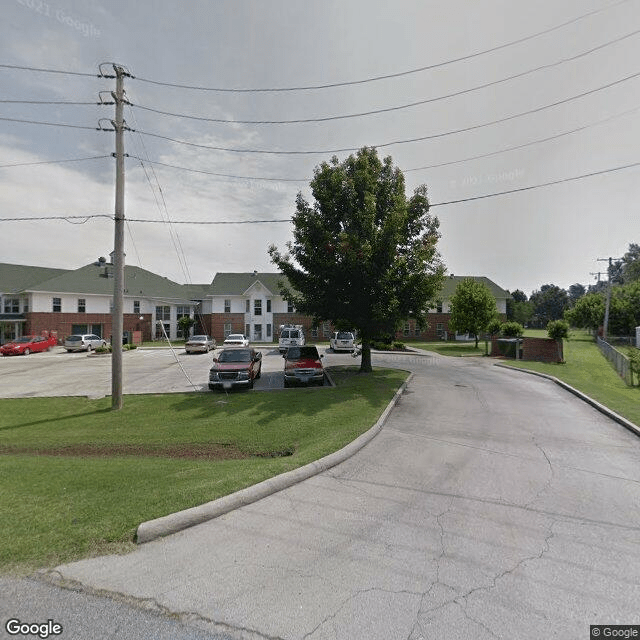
{"type": "Point", "coordinates": [15, 278]}
{"type": "Point", "coordinates": [238, 284]}
{"type": "Point", "coordinates": [451, 282]}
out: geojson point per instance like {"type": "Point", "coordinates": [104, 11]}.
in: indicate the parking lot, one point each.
{"type": "Point", "coordinates": [145, 370]}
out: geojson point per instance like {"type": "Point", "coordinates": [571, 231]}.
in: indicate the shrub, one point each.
{"type": "Point", "coordinates": [106, 349]}
{"type": "Point", "coordinates": [558, 329]}
{"type": "Point", "coordinates": [494, 327]}
{"type": "Point", "coordinates": [512, 329]}
{"type": "Point", "coordinates": [399, 346]}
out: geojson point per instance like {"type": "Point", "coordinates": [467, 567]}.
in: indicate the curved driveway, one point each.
{"type": "Point", "coordinates": [492, 504]}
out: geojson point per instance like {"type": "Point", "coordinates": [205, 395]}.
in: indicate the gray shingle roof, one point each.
{"type": "Point", "coordinates": [92, 279]}
{"type": "Point", "coordinates": [15, 278]}
{"type": "Point", "coordinates": [451, 282]}
{"type": "Point", "coordinates": [237, 283]}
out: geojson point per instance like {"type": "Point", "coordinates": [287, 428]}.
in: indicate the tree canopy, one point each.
{"type": "Point", "coordinates": [549, 304]}
{"type": "Point", "coordinates": [363, 255]}
{"type": "Point", "coordinates": [472, 308]}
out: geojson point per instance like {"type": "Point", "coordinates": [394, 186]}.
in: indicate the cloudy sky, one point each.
{"type": "Point", "coordinates": [510, 95]}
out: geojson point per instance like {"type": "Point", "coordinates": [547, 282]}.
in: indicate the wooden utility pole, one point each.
{"type": "Point", "coordinates": [118, 246]}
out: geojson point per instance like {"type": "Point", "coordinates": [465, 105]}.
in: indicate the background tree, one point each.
{"type": "Point", "coordinates": [557, 330]}
{"type": "Point", "coordinates": [519, 309]}
{"type": "Point", "coordinates": [363, 255]}
{"type": "Point", "coordinates": [549, 304]}
{"type": "Point", "coordinates": [472, 308]}
{"type": "Point", "coordinates": [588, 312]}
{"type": "Point", "coordinates": [629, 267]}
{"type": "Point", "coordinates": [185, 323]}
{"type": "Point", "coordinates": [576, 291]}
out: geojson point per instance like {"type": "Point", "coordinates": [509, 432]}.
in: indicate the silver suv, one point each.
{"type": "Point", "coordinates": [83, 342]}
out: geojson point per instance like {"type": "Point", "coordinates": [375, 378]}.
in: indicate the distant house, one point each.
{"type": "Point", "coordinates": [34, 300]}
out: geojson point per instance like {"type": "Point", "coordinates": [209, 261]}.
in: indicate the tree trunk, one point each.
{"type": "Point", "coordinates": [365, 362]}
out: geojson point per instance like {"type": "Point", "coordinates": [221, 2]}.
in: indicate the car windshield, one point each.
{"type": "Point", "coordinates": [344, 335]}
{"type": "Point", "coordinates": [235, 336]}
{"type": "Point", "coordinates": [299, 353]}
{"type": "Point", "coordinates": [24, 339]}
{"type": "Point", "coordinates": [198, 339]}
{"type": "Point", "coordinates": [239, 355]}
{"type": "Point", "coordinates": [74, 338]}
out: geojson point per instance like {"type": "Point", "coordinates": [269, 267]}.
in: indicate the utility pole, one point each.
{"type": "Point", "coordinates": [605, 328]}
{"type": "Point", "coordinates": [118, 246]}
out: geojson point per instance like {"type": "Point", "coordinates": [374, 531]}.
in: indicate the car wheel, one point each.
{"type": "Point", "coordinates": [104, 343]}
{"type": "Point", "coordinates": [26, 352]}
{"type": "Point", "coordinates": [88, 348]}
{"type": "Point", "coordinates": [259, 372]}
{"type": "Point", "coordinates": [286, 383]}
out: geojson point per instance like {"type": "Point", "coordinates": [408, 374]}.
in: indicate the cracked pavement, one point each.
{"type": "Point", "coordinates": [492, 505]}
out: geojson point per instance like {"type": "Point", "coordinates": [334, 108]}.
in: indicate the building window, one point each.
{"type": "Point", "coordinates": [257, 332]}
{"type": "Point", "coordinates": [417, 331]}
{"type": "Point", "coordinates": [183, 311]}
{"type": "Point", "coordinates": [439, 329]}
{"type": "Point", "coordinates": [247, 330]}
{"type": "Point", "coordinates": [136, 307]}
{"type": "Point", "coordinates": [407, 329]}
{"type": "Point", "coordinates": [163, 313]}
{"type": "Point", "coordinates": [326, 329]}
{"type": "Point", "coordinates": [247, 306]}
{"type": "Point", "coordinates": [314, 332]}
{"type": "Point", "coordinates": [227, 329]}
{"type": "Point", "coordinates": [57, 305]}
{"type": "Point", "coordinates": [227, 306]}
{"type": "Point", "coordinates": [439, 307]}
{"type": "Point", "coordinates": [268, 329]}
{"type": "Point", "coordinates": [290, 308]}
{"type": "Point", "coordinates": [82, 305]}
{"type": "Point", "coordinates": [257, 307]}
{"type": "Point", "coordinates": [269, 305]}
{"type": "Point", "coordinates": [12, 305]}
{"type": "Point", "coordinates": [25, 305]}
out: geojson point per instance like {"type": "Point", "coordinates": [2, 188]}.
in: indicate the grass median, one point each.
{"type": "Point", "coordinates": [78, 478]}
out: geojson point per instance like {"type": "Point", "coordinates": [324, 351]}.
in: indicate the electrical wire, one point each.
{"type": "Point", "coordinates": [393, 108]}
{"type": "Point", "coordinates": [429, 166]}
{"type": "Point", "coordinates": [42, 70]}
{"type": "Point", "coordinates": [387, 76]}
{"type": "Point", "coordinates": [397, 142]}
{"type": "Point", "coordinates": [29, 164]}
{"type": "Point", "coordinates": [49, 102]}
{"type": "Point", "coordinates": [53, 124]}
{"type": "Point", "coordinates": [435, 204]}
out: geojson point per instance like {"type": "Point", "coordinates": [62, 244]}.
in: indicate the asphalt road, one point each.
{"type": "Point", "coordinates": [492, 505]}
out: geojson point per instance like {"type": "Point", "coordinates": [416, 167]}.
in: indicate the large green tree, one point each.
{"type": "Point", "coordinates": [472, 308]}
{"type": "Point", "coordinates": [549, 304]}
{"type": "Point", "coordinates": [363, 255]}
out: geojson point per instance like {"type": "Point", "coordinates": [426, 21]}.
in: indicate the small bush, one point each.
{"type": "Point", "coordinates": [400, 346]}
{"type": "Point", "coordinates": [494, 327]}
{"type": "Point", "coordinates": [558, 329]}
{"type": "Point", "coordinates": [106, 349]}
{"type": "Point", "coordinates": [512, 329]}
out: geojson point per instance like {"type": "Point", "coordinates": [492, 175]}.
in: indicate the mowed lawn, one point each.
{"type": "Point", "coordinates": [78, 478]}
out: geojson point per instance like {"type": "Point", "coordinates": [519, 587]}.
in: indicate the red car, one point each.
{"type": "Point", "coordinates": [28, 344]}
{"type": "Point", "coordinates": [235, 367]}
{"type": "Point", "coordinates": [303, 365]}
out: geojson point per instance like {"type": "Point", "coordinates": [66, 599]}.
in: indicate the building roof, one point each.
{"type": "Point", "coordinates": [236, 284]}
{"type": "Point", "coordinates": [98, 280]}
{"type": "Point", "coordinates": [451, 282]}
{"type": "Point", "coordinates": [15, 278]}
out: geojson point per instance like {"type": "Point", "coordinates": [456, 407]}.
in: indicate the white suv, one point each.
{"type": "Point", "coordinates": [342, 341]}
{"type": "Point", "coordinates": [290, 336]}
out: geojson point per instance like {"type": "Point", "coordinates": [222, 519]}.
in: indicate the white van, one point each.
{"type": "Point", "coordinates": [290, 336]}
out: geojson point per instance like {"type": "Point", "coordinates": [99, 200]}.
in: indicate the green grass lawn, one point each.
{"type": "Point", "coordinates": [77, 478]}
{"type": "Point", "coordinates": [587, 370]}
{"type": "Point", "coordinates": [451, 348]}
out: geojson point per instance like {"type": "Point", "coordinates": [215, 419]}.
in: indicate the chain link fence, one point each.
{"type": "Point", "coordinates": [619, 360]}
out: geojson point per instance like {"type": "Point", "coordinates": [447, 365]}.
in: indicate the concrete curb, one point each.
{"type": "Point", "coordinates": [175, 522]}
{"type": "Point", "coordinates": [627, 424]}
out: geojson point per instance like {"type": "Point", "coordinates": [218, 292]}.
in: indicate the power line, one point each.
{"type": "Point", "coordinates": [537, 186]}
{"type": "Point", "coordinates": [429, 166]}
{"type": "Point", "coordinates": [387, 76]}
{"type": "Point", "coordinates": [436, 204]}
{"type": "Point", "coordinates": [393, 108]}
{"type": "Point", "coordinates": [29, 164]}
{"type": "Point", "coordinates": [396, 142]}
{"type": "Point", "coordinates": [49, 102]}
{"type": "Point", "coordinates": [42, 70]}
{"type": "Point", "coordinates": [53, 124]}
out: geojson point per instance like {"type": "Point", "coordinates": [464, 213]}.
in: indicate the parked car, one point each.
{"type": "Point", "coordinates": [236, 340]}
{"type": "Point", "coordinates": [28, 344]}
{"type": "Point", "coordinates": [303, 365]}
{"type": "Point", "coordinates": [202, 344]}
{"type": "Point", "coordinates": [235, 367]}
{"type": "Point", "coordinates": [342, 341]}
{"type": "Point", "coordinates": [83, 342]}
{"type": "Point", "coordinates": [290, 336]}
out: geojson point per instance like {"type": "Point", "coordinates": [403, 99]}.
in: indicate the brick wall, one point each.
{"type": "Point", "coordinates": [216, 322]}
{"type": "Point", "coordinates": [62, 323]}
{"type": "Point", "coordinates": [542, 350]}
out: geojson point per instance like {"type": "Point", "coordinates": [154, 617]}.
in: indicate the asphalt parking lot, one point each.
{"type": "Point", "coordinates": [145, 370]}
